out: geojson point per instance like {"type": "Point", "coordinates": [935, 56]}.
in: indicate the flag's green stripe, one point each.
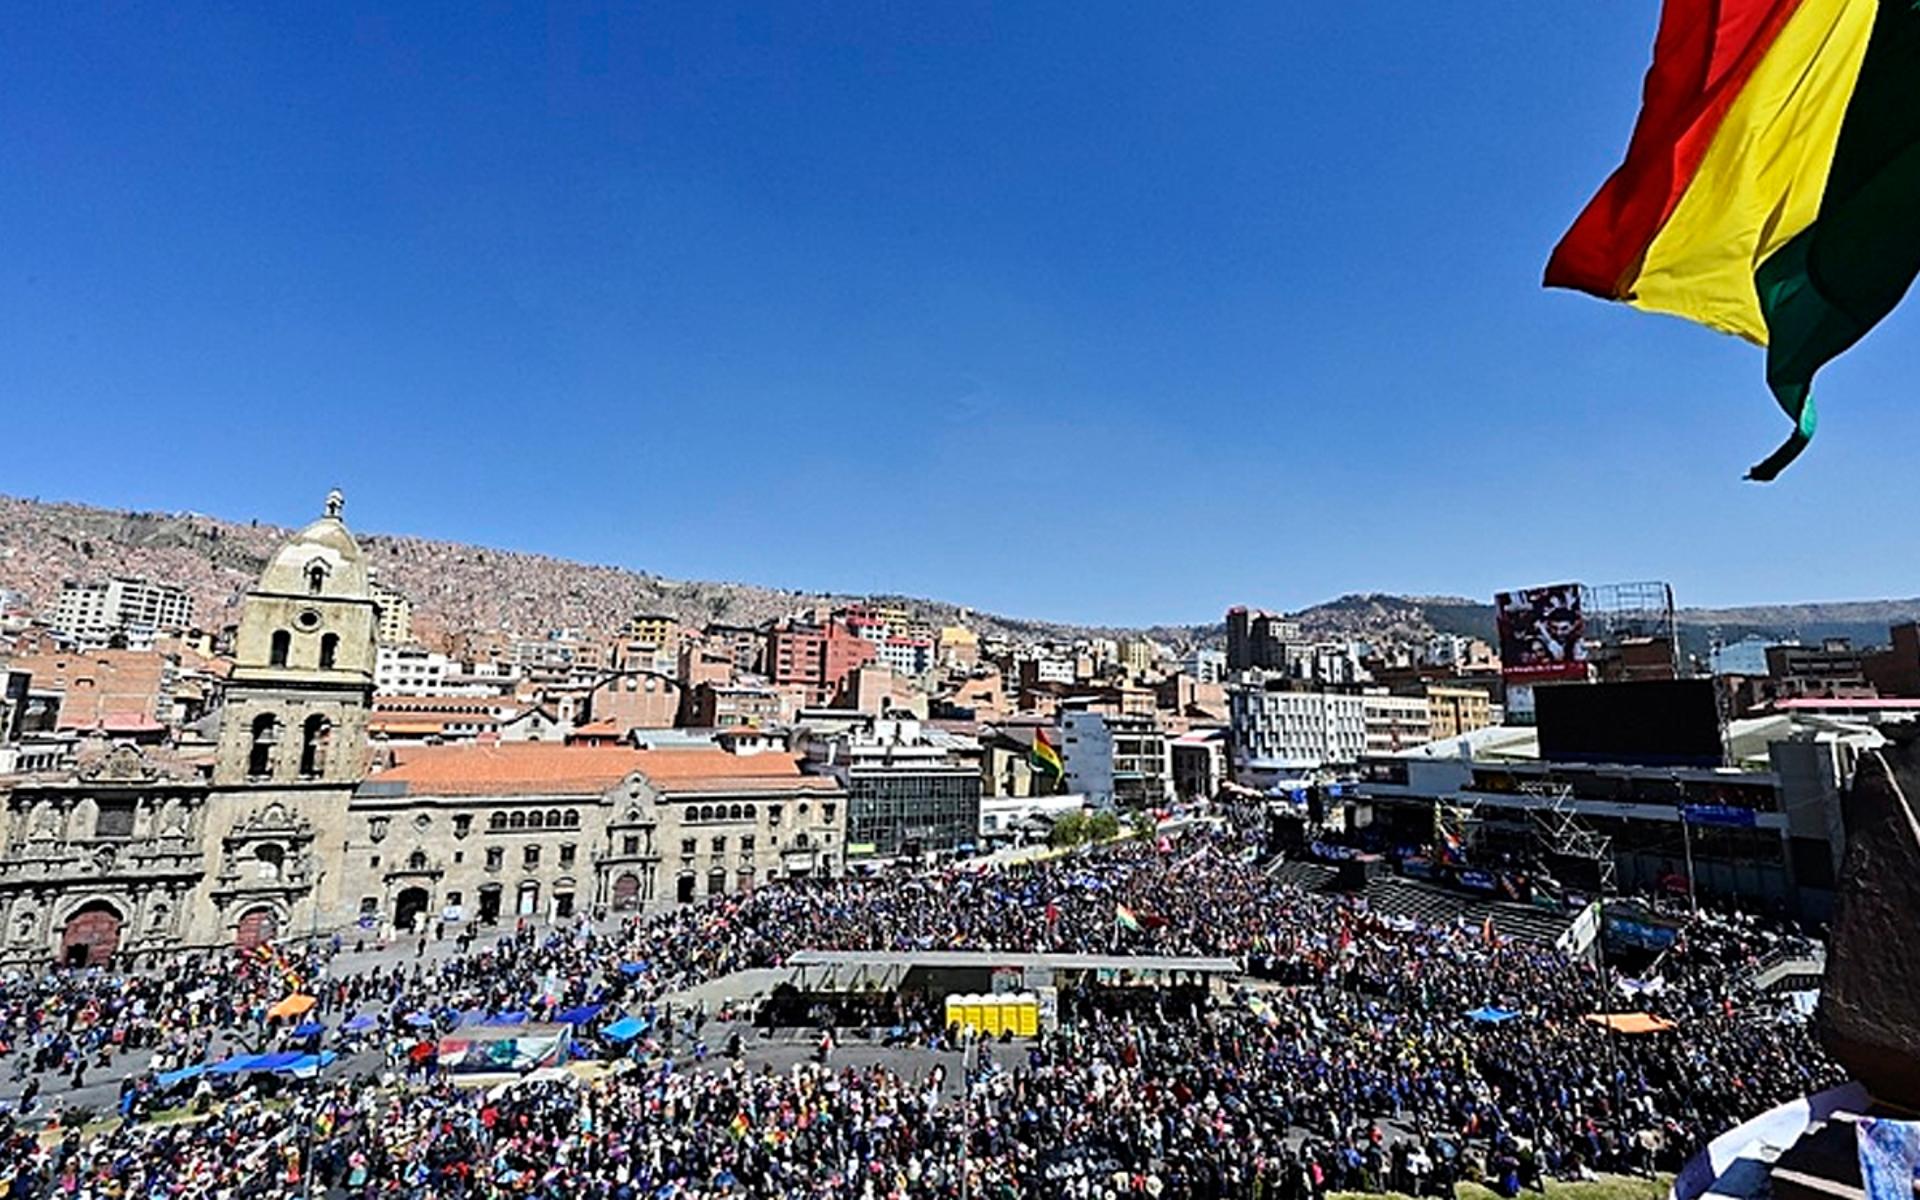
{"type": "Point", "coordinates": [1823, 290]}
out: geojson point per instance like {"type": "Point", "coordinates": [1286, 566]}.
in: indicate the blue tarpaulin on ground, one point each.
{"type": "Point", "coordinates": [360, 1024]}
{"type": "Point", "coordinates": [310, 1029]}
{"type": "Point", "coordinates": [236, 1064]}
{"type": "Point", "coordinates": [419, 1019]}
{"type": "Point", "coordinates": [624, 1030]}
{"type": "Point", "coordinates": [1491, 1015]}
{"type": "Point", "coordinates": [167, 1079]}
{"type": "Point", "coordinates": [278, 1061]}
{"type": "Point", "coordinates": [517, 1017]}
{"type": "Point", "coordinates": [633, 968]}
{"type": "Point", "coordinates": [308, 1065]}
{"type": "Point", "coordinates": [578, 1016]}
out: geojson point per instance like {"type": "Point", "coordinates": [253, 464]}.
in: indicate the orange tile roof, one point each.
{"type": "Point", "coordinates": [671, 766]}
{"type": "Point", "coordinates": [511, 769]}
{"type": "Point", "coordinates": [715, 770]}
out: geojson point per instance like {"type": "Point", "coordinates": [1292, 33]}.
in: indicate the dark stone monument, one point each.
{"type": "Point", "coordinates": [1869, 1015]}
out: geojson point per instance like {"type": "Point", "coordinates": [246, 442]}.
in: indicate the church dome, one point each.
{"type": "Point", "coordinates": [320, 560]}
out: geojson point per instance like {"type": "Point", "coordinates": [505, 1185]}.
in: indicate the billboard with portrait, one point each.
{"type": "Point", "coordinates": [1542, 633]}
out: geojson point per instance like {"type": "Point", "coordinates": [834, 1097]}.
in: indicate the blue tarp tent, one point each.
{"type": "Point", "coordinates": [236, 1064]}
{"type": "Point", "coordinates": [578, 1016]}
{"type": "Point", "coordinates": [418, 1020]}
{"type": "Point", "coordinates": [633, 968]}
{"type": "Point", "coordinates": [1490, 1015]}
{"type": "Point", "coordinates": [624, 1030]}
{"type": "Point", "coordinates": [167, 1079]}
{"type": "Point", "coordinates": [310, 1029]}
{"type": "Point", "coordinates": [517, 1017]}
{"type": "Point", "coordinates": [360, 1024]}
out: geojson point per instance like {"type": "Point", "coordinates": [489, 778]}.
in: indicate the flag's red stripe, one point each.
{"type": "Point", "coordinates": [1704, 54]}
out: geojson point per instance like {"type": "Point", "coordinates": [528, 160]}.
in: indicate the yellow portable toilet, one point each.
{"type": "Point", "coordinates": [1027, 1017]}
{"type": "Point", "coordinates": [1003, 1018]}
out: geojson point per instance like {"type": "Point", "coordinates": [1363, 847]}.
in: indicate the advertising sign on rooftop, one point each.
{"type": "Point", "coordinates": [1541, 633]}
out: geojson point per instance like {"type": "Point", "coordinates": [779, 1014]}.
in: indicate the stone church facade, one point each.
{"type": "Point", "coordinates": [133, 858]}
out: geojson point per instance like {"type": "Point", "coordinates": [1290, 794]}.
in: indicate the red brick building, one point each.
{"type": "Point", "coordinates": [816, 657]}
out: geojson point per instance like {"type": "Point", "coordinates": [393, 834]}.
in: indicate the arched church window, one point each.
{"type": "Point", "coordinates": [417, 861]}
{"type": "Point", "coordinates": [329, 649]}
{"type": "Point", "coordinates": [316, 579]}
{"type": "Point", "coordinates": [266, 732]}
{"type": "Point", "coordinates": [535, 820]}
{"type": "Point", "coordinates": [269, 860]}
{"type": "Point", "coordinates": [517, 820]}
{"type": "Point", "coordinates": [315, 736]}
{"type": "Point", "coordinates": [282, 644]}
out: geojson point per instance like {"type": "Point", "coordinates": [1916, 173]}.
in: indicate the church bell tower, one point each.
{"type": "Point", "coordinates": [296, 704]}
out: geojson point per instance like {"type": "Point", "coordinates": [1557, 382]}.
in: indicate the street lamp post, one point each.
{"type": "Point", "coordinates": [966, 1109]}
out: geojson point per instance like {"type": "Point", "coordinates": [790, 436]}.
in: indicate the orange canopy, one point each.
{"type": "Point", "coordinates": [291, 1006]}
{"type": "Point", "coordinates": [1632, 1022]}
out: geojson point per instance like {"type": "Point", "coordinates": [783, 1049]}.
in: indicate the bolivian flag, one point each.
{"type": "Point", "coordinates": [1772, 185]}
{"type": "Point", "coordinates": [1126, 918]}
{"type": "Point", "coordinates": [1043, 756]}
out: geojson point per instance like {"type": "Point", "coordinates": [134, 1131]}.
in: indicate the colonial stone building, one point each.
{"type": "Point", "coordinates": [496, 833]}
{"type": "Point", "coordinates": [139, 854]}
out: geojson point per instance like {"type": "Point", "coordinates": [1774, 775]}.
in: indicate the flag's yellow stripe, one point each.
{"type": "Point", "coordinates": [1761, 180]}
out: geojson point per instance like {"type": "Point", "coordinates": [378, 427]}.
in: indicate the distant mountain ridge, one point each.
{"type": "Point", "coordinates": [455, 586]}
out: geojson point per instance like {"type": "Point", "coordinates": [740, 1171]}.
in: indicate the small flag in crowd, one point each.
{"type": "Point", "coordinates": [1125, 918]}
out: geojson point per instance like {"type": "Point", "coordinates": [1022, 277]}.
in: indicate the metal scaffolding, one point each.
{"type": "Point", "coordinates": [1560, 831]}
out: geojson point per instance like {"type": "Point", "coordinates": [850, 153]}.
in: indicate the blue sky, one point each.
{"type": "Point", "coordinates": [1114, 313]}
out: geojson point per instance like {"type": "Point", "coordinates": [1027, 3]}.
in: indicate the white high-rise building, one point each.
{"type": "Point", "coordinates": [91, 613]}
{"type": "Point", "coordinates": [1116, 760]}
{"type": "Point", "coordinates": [1278, 732]}
{"type": "Point", "coordinates": [396, 615]}
{"type": "Point", "coordinates": [412, 671]}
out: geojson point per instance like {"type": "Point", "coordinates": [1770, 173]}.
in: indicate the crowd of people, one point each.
{"type": "Point", "coordinates": [1348, 1063]}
